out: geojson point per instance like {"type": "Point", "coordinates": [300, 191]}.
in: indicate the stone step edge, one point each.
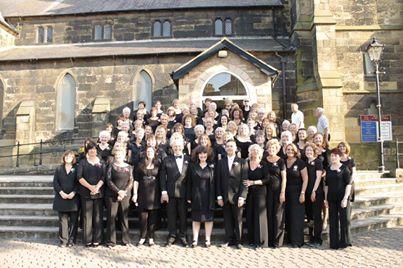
{"type": "Point", "coordinates": [354, 225]}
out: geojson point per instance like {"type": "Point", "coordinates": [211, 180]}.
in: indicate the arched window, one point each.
{"type": "Point", "coordinates": [228, 26]}
{"type": "Point", "coordinates": [157, 28]}
{"type": "Point", "coordinates": [166, 29]}
{"type": "Point", "coordinates": [224, 84]}
{"type": "Point", "coordinates": [2, 88]}
{"type": "Point", "coordinates": [218, 27]}
{"type": "Point", "coordinates": [143, 90]}
{"type": "Point", "coordinates": [66, 103]}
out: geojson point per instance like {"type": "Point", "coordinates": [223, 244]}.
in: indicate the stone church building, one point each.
{"type": "Point", "coordinates": [69, 66]}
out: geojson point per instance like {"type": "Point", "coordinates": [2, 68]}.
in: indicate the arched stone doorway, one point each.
{"type": "Point", "coordinates": [253, 74]}
{"type": "Point", "coordinates": [225, 85]}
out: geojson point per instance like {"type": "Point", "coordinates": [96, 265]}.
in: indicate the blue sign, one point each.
{"type": "Point", "coordinates": [369, 131]}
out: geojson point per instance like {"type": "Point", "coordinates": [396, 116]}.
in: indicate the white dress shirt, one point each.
{"type": "Point", "coordinates": [323, 123]}
{"type": "Point", "coordinates": [179, 163]}
{"type": "Point", "coordinates": [230, 162]}
{"type": "Point", "coordinates": [298, 119]}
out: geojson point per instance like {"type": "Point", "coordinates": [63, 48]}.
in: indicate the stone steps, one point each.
{"type": "Point", "coordinates": [26, 190]}
{"type": "Point", "coordinates": [376, 189]}
{"type": "Point", "coordinates": [26, 207]}
{"type": "Point", "coordinates": [26, 198]}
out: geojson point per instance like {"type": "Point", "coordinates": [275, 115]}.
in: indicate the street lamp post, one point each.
{"type": "Point", "coordinates": [374, 51]}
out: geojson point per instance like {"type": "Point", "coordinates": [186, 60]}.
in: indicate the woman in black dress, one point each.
{"type": "Point", "coordinates": [91, 176]}
{"type": "Point", "coordinates": [201, 193]}
{"type": "Point", "coordinates": [119, 180]}
{"type": "Point", "coordinates": [219, 144]}
{"type": "Point", "coordinates": [103, 148]}
{"type": "Point", "coordinates": [297, 180]}
{"type": "Point", "coordinates": [66, 200]}
{"type": "Point", "coordinates": [348, 161]}
{"type": "Point", "coordinates": [189, 123]}
{"type": "Point", "coordinates": [337, 192]}
{"type": "Point", "coordinates": [300, 142]}
{"type": "Point", "coordinates": [146, 195]}
{"type": "Point", "coordinates": [243, 140]}
{"type": "Point", "coordinates": [314, 195]}
{"type": "Point", "coordinates": [153, 120]}
{"type": "Point", "coordinates": [286, 138]}
{"type": "Point", "coordinates": [136, 147]}
{"type": "Point", "coordinates": [256, 210]}
{"type": "Point", "coordinates": [276, 188]}
{"type": "Point", "coordinates": [323, 154]}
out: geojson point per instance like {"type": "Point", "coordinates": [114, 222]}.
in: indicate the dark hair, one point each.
{"type": "Point", "coordinates": [296, 136]}
{"type": "Point", "coordinates": [191, 117]}
{"type": "Point", "coordinates": [231, 140]}
{"type": "Point", "coordinates": [69, 152]}
{"type": "Point", "coordinates": [89, 144]}
{"type": "Point", "coordinates": [199, 150]}
{"type": "Point", "coordinates": [141, 102]}
{"type": "Point", "coordinates": [240, 113]}
{"type": "Point", "coordinates": [336, 151]}
{"type": "Point", "coordinates": [143, 162]}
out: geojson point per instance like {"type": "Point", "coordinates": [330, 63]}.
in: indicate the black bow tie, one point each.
{"type": "Point", "coordinates": [178, 157]}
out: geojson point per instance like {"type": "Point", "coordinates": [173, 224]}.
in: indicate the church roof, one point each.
{"type": "Point", "coordinates": [21, 8]}
{"type": "Point", "coordinates": [136, 48]}
{"type": "Point", "coordinates": [4, 23]}
{"type": "Point", "coordinates": [224, 44]}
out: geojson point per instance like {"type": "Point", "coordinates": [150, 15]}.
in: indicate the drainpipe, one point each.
{"type": "Point", "coordinates": [283, 85]}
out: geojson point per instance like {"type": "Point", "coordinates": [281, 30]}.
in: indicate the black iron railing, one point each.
{"type": "Point", "coordinates": [42, 148]}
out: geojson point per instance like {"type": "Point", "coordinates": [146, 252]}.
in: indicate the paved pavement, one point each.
{"type": "Point", "coordinates": [381, 248]}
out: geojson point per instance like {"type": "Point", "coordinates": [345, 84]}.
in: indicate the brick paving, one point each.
{"type": "Point", "coordinates": [379, 248]}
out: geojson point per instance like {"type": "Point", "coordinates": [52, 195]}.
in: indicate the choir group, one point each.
{"type": "Point", "coordinates": [239, 161]}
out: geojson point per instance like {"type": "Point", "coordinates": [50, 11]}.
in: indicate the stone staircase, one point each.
{"type": "Point", "coordinates": [26, 207]}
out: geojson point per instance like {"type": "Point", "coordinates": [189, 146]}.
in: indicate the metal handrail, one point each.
{"type": "Point", "coordinates": [41, 151]}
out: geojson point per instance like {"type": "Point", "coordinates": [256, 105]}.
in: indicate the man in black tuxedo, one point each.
{"type": "Point", "coordinates": [231, 173]}
{"type": "Point", "coordinates": [173, 187]}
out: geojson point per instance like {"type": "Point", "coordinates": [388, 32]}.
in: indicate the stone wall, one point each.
{"type": "Point", "coordinates": [355, 23]}
{"type": "Point", "coordinates": [110, 78]}
{"type": "Point", "coordinates": [113, 79]}
{"type": "Point", "coordinates": [7, 37]}
{"type": "Point", "coordinates": [138, 25]}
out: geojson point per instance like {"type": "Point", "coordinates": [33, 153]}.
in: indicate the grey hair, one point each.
{"type": "Point", "coordinates": [199, 127]}
{"type": "Point", "coordinates": [255, 147]}
{"type": "Point", "coordinates": [320, 110]}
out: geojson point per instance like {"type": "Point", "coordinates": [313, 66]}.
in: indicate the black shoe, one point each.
{"type": "Point", "coordinates": [170, 242]}
{"type": "Point", "coordinates": [95, 245]}
{"type": "Point", "coordinates": [194, 244]}
{"type": "Point", "coordinates": [239, 246]}
{"type": "Point", "coordinates": [88, 245]}
{"type": "Point", "coordinates": [110, 245]}
{"type": "Point", "coordinates": [183, 242]}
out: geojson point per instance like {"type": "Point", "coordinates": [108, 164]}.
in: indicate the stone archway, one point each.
{"type": "Point", "coordinates": [257, 83]}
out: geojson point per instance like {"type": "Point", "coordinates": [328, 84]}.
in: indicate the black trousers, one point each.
{"type": "Point", "coordinates": [294, 218]}
{"type": "Point", "coordinates": [256, 216]}
{"type": "Point", "coordinates": [233, 223]}
{"type": "Point", "coordinates": [176, 210]}
{"type": "Point", "coordinates": [313, 212]}
{"type": "Point", "coordinates": [339, 225]}
{"type": "Point", "coordinates": [92, 220]}
{"type": "Point", "coordinates": [68, 223]}
{"type": "Point", "coordinates": [275, 218]}
{"type": "Point", "coordinates": [118, 209]}
{"type": "Point", "coordinates": [148, 220]}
